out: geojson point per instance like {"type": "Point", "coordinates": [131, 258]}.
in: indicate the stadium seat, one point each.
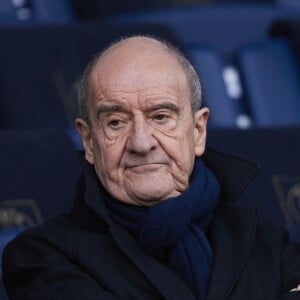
{"type": "Point", "coordinates": [35, 12]}
{"type": "Point", "coordinates": [288, 29]}
{"type": "Point", "coordinates": [275, 191]}
{"type": "Point", "coordinates": [209, 66]}
{"type": "Point", "coordinates": [224, 26]}
{"type": "Point", "coordinates": [39, 171]}
{"type": "Point", "coordinates": [292, 3]}
{"type": "Point", "coordinates": [271, 78]}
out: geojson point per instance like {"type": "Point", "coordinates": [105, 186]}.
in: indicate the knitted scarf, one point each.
{"type": "Point", "coordinates": [174, 230]}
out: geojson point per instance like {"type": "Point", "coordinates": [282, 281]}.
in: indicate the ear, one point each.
{"type": "Point", "coordinates": [201, 117]}
{"type": "Point", "coordinates": [85, 132]}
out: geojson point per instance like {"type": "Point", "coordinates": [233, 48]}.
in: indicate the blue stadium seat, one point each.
{"type": "Point", "coordinates": [53, 11]}
{"type": "Point", "coordinates": [209, 66]}
{"type": "Point", "coordinates": [224, 26]}
{"type": "Point", "coordinates": [276, 189]}
{"type": "Point", "coordinates": [36, 11]}
{"type": "Point", "coordinates": [288, 29]}
{"type": "Point", "coordinates": [272, 82]}
{"type": "Point", "coordinates": [39, 171]}
{"type": "Point", "coordinates": [292, 3]}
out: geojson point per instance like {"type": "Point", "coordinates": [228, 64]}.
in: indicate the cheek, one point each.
{"type": "Point", "coordinates": [107, 154]}
{"type": "Point", "coordinates": [180, 148]}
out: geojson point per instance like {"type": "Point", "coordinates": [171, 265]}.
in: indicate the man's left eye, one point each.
{"type": "Point", "coordinates": [114, 123]}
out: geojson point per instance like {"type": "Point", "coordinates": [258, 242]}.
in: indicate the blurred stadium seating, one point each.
{"type": "Point", "coordinates": [36, 11]}
{"type": "Point", "coordinates": [39, 170]}
{"type": "Point", "coordinates": [271, 78]}
{"type": "Point", "coordinates": [227, 30]}
{"type": "Point", "coordinates": [209, 67]}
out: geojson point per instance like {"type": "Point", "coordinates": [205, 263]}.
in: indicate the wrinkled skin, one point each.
{"type": "Point", "coordinates": [142, 138]}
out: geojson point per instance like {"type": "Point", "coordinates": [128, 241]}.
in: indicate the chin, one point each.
{"type": "Point", "coordinates": [151, 197]}
{"type": "Point", "coordinates": [150, 189]}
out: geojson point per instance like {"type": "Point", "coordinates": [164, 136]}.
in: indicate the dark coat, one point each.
{"type": "Point", "coordinates": [84, 255]}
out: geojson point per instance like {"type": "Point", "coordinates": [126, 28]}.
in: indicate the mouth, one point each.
{"type": "Point", "coordinates": [144, 167]}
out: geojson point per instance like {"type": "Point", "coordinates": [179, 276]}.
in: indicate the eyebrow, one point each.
{"type": "Point", "coordinates": [164, 105]}
{"type": "Point", "coordinates": [109, 108]}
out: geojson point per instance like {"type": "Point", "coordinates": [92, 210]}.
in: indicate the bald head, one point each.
{"type": "Point", "coordinates": [130, 52]}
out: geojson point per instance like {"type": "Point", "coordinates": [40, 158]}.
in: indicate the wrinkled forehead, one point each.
{"type": "Point", "coordinates": [133, 48]}
{"type": "Point", "coordinates": [137, 61]}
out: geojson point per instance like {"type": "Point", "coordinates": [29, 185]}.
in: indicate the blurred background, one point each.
{"type": "Point", "coordinates": [247, 55]}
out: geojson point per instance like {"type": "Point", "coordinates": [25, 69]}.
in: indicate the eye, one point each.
{"type": "Point", "coordinates": [161, 117]}
{"type": "Point", "coordinates": [114, 123]}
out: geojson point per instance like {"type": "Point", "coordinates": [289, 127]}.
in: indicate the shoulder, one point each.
{"type": "Point", "coordinates": [39, 241]}
{"type": "Point", "coordinates": [246, 213]}
{"type": "Point", "coordinates": [50, 261]}
{"type": "Point", "coordinates": [239, 220]}
{"type": "Point", "coordinates": [242, 231]}
{"type": "Point", "coordinates": [58, 236]}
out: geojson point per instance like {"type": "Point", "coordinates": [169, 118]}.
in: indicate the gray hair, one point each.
{"type": "Point", "coordinates": [191, 74]}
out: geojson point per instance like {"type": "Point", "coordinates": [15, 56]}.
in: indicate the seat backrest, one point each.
{"type": "Point", "coordinates": [289, 29]}
{"type": "Point", "coordinates": [209, 66]}
{"type": "Point", "coordinates": [39, 171]}
{"type": "Point", "coordinates": [53, 11]}
{"type": "Point", "coordinates": [35, 12]}
{"type": "Point", "coordinates": [292, 3]}
{"type": "Point", "coordinates": [271, 76]}
{"type": "Point", "coordinates": [225, 26]}
{"type": "Point", "coordinates": [276, 189]}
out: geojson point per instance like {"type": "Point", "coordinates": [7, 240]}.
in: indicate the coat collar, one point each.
{"type": "Point", "coordinates": [233, 173]}
{"type": "Point", "coordinates": [231, 249]}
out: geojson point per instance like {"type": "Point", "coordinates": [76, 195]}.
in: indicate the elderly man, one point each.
{"type": "Point", "coordinates": [154, 216]}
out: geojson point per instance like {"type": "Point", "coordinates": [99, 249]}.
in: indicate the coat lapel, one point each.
{"type": "Point", "coordinates": [231, 237]}
{"type": "Point", "coordinates": [167, 282]}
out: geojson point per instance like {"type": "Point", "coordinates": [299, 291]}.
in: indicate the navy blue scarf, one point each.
{"type": "Point", "coordinates": [174, 230]}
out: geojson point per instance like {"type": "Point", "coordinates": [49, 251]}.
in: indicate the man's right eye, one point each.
{"type": "Point", "coordinates": [114, 123]}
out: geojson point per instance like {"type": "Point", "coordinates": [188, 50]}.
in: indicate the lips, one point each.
{"type": "Point", "coordinates": [146, 167]}
{"type": "Point", "coordinates": [142, 164]}
{"type": "Point", "coordinates": [149, 161]}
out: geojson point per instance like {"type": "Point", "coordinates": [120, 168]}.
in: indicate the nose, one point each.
{"type": "Point", "coordinates": [141, 139]}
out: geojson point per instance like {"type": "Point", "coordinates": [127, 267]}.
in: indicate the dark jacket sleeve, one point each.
{"type": "Point", "coordinates": [34, 269]}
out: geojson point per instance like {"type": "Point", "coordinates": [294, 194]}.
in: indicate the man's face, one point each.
{"type": "Point", "coordinates": [142, 138]}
